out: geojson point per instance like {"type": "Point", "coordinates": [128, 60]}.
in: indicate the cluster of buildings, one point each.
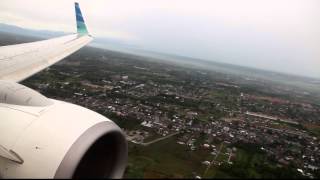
{"type": "Point", "coordinates": [164, 109]}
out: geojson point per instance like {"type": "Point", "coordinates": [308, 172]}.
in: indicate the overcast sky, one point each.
{"type": "Point", "coordinates": [280, 35]}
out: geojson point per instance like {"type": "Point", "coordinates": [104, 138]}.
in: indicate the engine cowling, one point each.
{"type": "Point", "coordinates": [46, 138]}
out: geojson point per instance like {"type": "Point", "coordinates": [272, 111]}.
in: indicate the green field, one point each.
{"type": "Point", "coordinates": [314, 129]}
{"type": "Point", "coordinates": [167, 159]}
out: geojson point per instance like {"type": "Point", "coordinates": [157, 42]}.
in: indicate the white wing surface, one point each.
{"type": "Point", "coordinates": [18, 62]}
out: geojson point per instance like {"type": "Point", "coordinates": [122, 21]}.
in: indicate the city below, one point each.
{"type": "Point", "coordinates": [188, 121]}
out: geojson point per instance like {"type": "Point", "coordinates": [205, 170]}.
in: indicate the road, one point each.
{"type": "Point", "coordinates": [156, 140]}
{"type": "Point", "coordinates": [213, 160]}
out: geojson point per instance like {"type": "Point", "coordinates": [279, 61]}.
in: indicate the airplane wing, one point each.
{"type": "Point", "coordinates": [18, 62]}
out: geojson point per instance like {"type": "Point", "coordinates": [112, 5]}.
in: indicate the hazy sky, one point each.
{"type": "Point", "coordinates": [280, 35]}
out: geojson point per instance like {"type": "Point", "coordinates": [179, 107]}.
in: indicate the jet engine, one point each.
{"type": "Point", "coordinates": [46, 138]}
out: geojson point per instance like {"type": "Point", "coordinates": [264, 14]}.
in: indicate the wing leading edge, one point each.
{"type": "Point", "coordinates": [18, 62]}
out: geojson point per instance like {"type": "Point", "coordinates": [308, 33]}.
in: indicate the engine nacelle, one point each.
{"type": "Point", "coordinates": [46, 138]}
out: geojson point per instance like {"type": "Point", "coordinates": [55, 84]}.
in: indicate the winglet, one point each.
{"type": "Point", "coordinates": [81, 26]}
